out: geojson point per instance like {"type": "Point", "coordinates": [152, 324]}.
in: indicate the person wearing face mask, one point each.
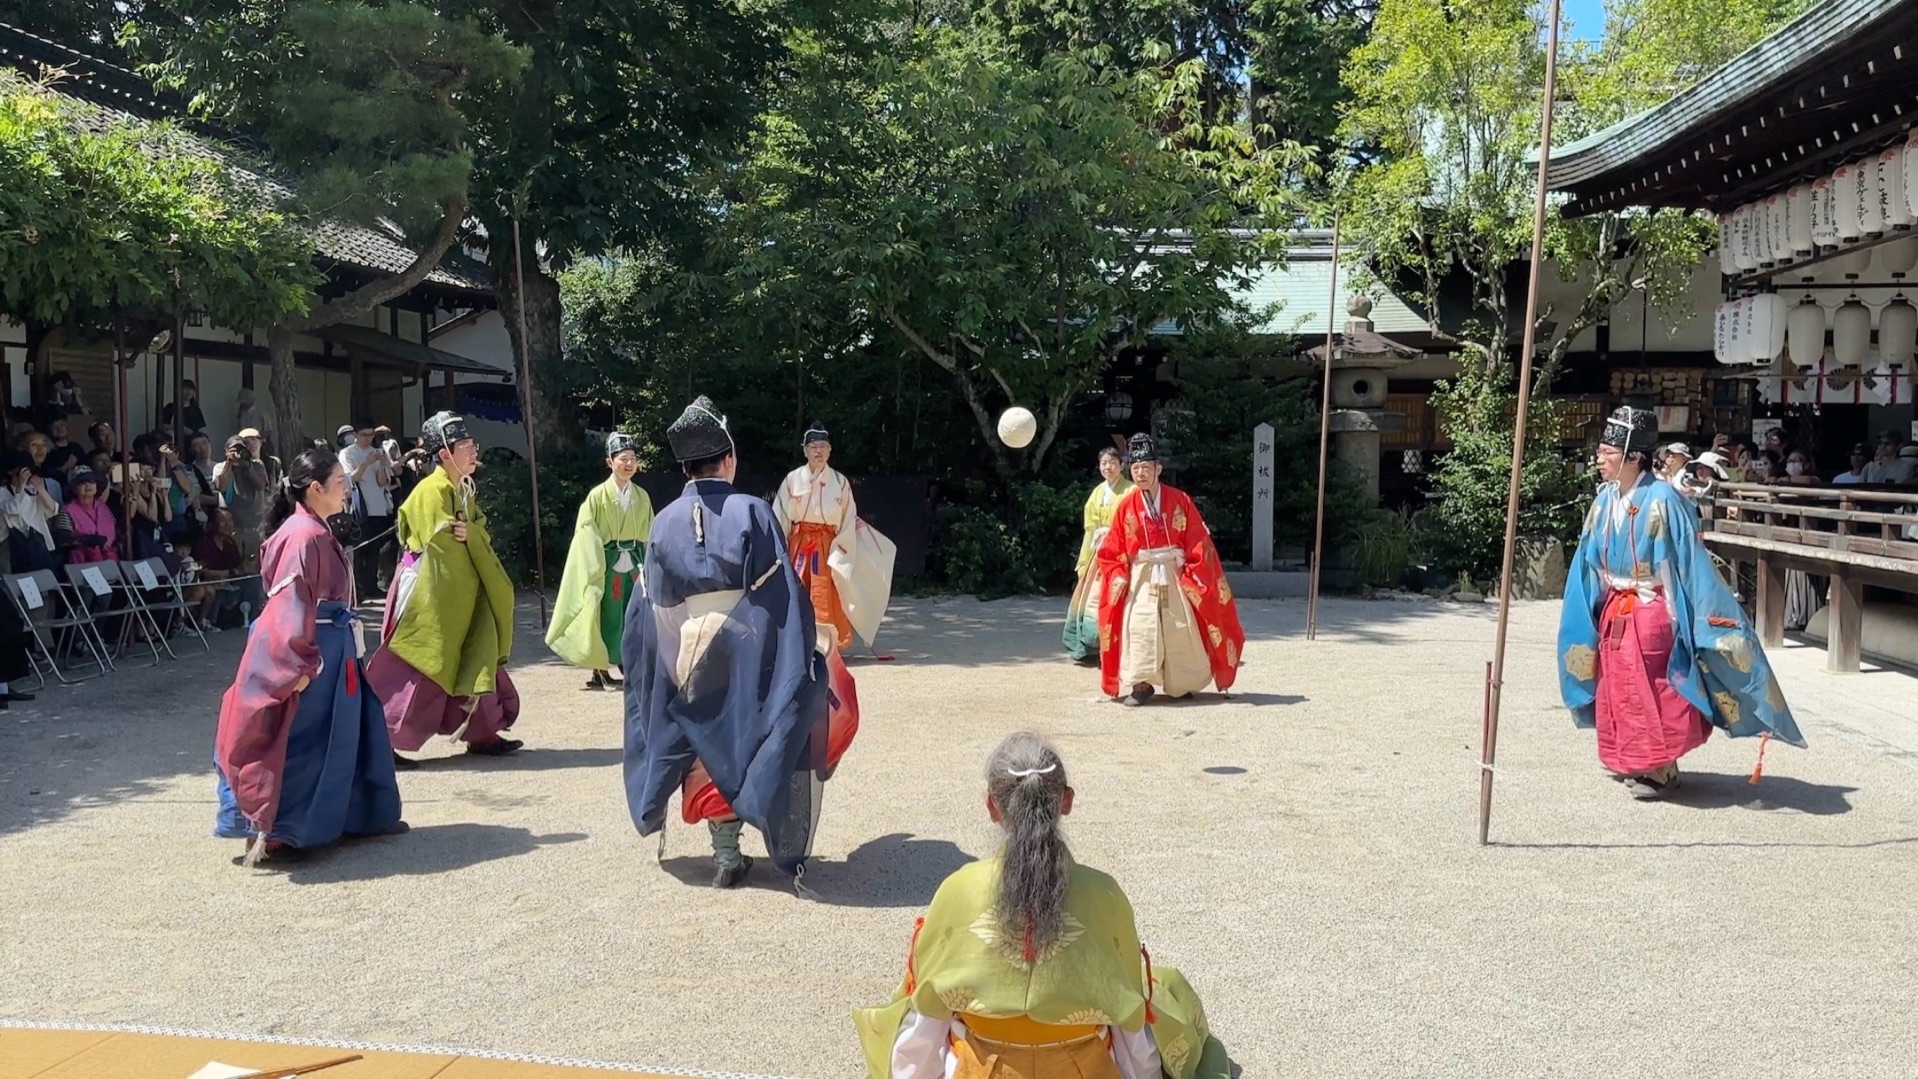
{"type": "Point", "coordinates": [448, 629]}
{"type": "Point", "coordinates": [301, 748]}
{"type": "Point", "coordinates": [1653, 649]}
{"type": "Point", "coordinates": [1082, 616]}
{"type": "Point", "coordinates": [1799, 471]}
{"type": "Point", "coordinates": [603, 567]}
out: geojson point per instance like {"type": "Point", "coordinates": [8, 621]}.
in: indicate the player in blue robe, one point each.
{"type": "Point", "coordinates": [1653, 649]}
{"type": "Point", "coordinates": [723, 675]}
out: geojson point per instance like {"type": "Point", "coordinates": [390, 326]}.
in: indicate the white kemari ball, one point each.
{"type": "Point", "coordinates": [1018, 427]}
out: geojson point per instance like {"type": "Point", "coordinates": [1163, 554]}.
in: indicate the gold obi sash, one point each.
{"type": "Point", "coordinates": [1023, 1030]}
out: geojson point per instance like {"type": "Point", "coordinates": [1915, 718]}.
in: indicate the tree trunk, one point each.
{"type": "Point", "coordinates": [552, 422]}
{"type": "Point", "coordinates": [283, 387]}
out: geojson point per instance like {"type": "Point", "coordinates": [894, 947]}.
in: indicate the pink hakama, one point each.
{"type": "Point", "coordinates": [1644, 724]}
{"type": "Point", "coordinates": [417, 708]}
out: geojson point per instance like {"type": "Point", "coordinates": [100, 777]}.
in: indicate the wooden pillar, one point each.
{"type": "Point", "coordinates": [356, 386]}
{"type": "Point", "coordinates": [1845, 624]}
{"type": "Point", "coordinates": [1771, 601]}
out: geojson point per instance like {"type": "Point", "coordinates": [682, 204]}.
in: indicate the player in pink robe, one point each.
{"type": "Point", "coordinates": [301, 749]}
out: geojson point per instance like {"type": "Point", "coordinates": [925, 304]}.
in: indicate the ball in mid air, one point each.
{"type": "Point", "coordinates": [1017, 428]}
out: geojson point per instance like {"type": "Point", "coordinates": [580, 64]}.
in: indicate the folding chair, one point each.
{"type": "Point", "coordinates": [51, 613]}
{"type": "Point", "coordinates": [154, 600]}
{"type": "Point", "coordinates": [103, 593]}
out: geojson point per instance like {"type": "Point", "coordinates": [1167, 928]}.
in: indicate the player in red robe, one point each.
{"type": "Point", "coordinates": [302, 749]}
{"type": "Point", "coordinates": [1168, 619]}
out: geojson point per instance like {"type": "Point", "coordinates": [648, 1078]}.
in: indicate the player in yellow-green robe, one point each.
{"type": "Point", "coordinates": [1082, 616]}
{"type": "Point", "coordinates": [603, 568]}
{"type": "Point", "coordinates": [1029, 963]}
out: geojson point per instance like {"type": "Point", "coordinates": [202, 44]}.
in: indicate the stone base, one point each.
{"type": "Point", "coordinates": [1890, 633]}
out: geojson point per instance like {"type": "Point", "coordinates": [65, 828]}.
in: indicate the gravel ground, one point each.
{"type": "Point", "coordinates": [1305, 850]}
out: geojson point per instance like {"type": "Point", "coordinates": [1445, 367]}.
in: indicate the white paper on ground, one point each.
{"type": "Point", "coordinates": [96, 580]}
{"type": "Point", "coordinates": [216, 1070]}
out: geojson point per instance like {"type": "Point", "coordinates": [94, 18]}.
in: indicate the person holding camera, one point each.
{"type": "Point", "coordinates": [27, 507]}
{"type": "Point", "coordinates": [96, 534]}
{"type": "Point", "coordinates": [245, 480]}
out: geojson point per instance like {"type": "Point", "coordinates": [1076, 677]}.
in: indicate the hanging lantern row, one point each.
{"type": "Point", "coordinates": [1767, 327]}
{"type": "Point", "coordinates": [1860, 200]}
{"type": "Point", "coordinates": [1831, 384]}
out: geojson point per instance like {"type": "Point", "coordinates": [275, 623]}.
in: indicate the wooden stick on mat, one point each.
{"type": "Point", "coordinates": [303, 1069]}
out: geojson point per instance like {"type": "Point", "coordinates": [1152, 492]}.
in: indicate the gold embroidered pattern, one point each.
{"type": "Point", "coordinates": [1087, 1017]}
{"type": "Point", "coordinates": [1012, 949]}
{"type": "Point", "coordinates": [1105, 638]}
{"type": "Point", "coordinates": [1581, 662]}
{"type": "Point", "coordinates": [1727, 706]}
{"type": "Point", "coordinates": [1231, 654]}
{"type": "Point", "coordinates": [1192, 593]}
{"type": "Point", "coordinates": [1132, 528]}
{"type": "Point", "coordinates": [1117, 590]}
{"type": "Point", "coordinates": [1178, 519]}
{"type": "Point", "coordinates": [1225, 591]}
{"type": "Point", "coordinates": [1212, 631]}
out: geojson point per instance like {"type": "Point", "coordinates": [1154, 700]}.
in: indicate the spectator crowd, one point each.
{"type": "Point", "coordinates": [74, 495]}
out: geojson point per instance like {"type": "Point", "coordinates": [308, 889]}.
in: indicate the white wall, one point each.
{"type": "Point", "coordinates": [1687, 327]}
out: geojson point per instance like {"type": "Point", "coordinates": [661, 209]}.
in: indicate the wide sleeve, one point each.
{"type": "Point", "coordinates": [574, 633]}
{"type": "Point", "coordinates": [1577, 646]}
{"type": "Point", "coordinates": [782, 520]}
{"type": "Point", "coordinates": [643, 508]}
{"type": "Point", "coordinates": [496, 587]}
{"type": "Point", "coordinates": [257, 710]}
{"type": "Point", "coordinates": [1090, 520]}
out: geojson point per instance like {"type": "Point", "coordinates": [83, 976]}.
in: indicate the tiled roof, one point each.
{"type": "Point", "coordinates": [108, 97]}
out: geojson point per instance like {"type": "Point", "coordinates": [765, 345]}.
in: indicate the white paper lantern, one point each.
{"type": "Point", "coordinates": [1744, 243]}
{"type": "Point", "coordinates": [1850, 333]}
{"type": "Point", "coordinates": [1735, 331]}
{"type": "Point", "coordinates": [1824, 228]}
{"type": "Point", "coordinates": [1798, 219]}
{"type": "Point", "coordinates": [1017, 427]}
{"type": "Point", "coordinates": [1721, 332]}
{"type": "Point", "coordinates": [1891, 189]}
{"type": "Point", "coordinates": [1897, 331]}
{"type": "Point", "coordinates": [1871, 207]}
{"type": "Point", "coordinates": [1844, 202]}
{"type": "Point", "coordinates": [1778, 221]}
{"type": "Point", "coordinates": [1770, 316]}
{"type": "Point", "coordinates": [1725, 264]}
{"type": "Point", "coordinates": [1849, 266]}
{"type": "Point", "coordinates": [1805, 333]}
{"type": "Point", "coordinates": [1897, 257]}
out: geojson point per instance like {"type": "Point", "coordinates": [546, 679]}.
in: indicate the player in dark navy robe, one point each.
{"type": "Point", "coordinates": [723, 670]}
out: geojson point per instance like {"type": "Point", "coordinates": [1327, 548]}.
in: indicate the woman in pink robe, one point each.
{"type": "Point", "coordinates": [302, 748]}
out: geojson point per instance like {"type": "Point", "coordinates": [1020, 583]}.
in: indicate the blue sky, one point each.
{"type": "Point", "coordinates": [1587, 18]}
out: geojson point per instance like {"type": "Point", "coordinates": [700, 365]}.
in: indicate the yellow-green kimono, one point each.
{"type": "Point", "coordinates": [602, 570]}
{"type": "Point", "coordinates": [1082, 616]}
{"type": "Point", "coordinates": [451, 615]}
{"type": "Point", "coordinates": [961, 967]}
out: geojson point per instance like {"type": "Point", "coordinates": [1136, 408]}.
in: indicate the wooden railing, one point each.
{"type": "Point", "coordinates": [1856, 536]}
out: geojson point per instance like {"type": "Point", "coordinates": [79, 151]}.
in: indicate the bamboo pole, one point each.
{"type": "Point", "coordinates": [1495, 677]}
{"type": "Point", "coordinates": [120, 438]}
{"type": "Point", "coordinates": [1325, 445]}
{"type": "Point", "coordinates": [179, 381]}
{"type": "Point", "coordinates": [526, 407]}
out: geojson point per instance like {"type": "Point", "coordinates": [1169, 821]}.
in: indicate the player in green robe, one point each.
{"type": "Point", "coordinates": [1029, 963]}
{"type": "Point", "coordinates": [603, 567]}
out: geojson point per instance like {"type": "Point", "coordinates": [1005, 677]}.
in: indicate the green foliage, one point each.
{"type": "Point", "coordinates": [1471, 482]}
{"type": "Point", "coordinates": [1017, 225]}
{"type": "Point", "coordinates": [361, 102]}
{"type": "Point", "coordinates": [1385, 545]}
{"type": "Point", "coordinates": [100, 218]}
{"type": "Point", "coordinates": [566, 474]}
{"type": "Point", "coordinates": [1019, 549]}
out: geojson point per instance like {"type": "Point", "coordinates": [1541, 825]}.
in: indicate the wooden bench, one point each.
{"type": "Point", "coordinates": [1854, 535]}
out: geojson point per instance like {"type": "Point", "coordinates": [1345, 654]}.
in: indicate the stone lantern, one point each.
{"type": "Point", "coordinates": [1362, 363]}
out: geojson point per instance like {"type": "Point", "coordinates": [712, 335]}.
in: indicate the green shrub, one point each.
{"type": "Point", "coordinates": [566, 473]}
{"type": "Point", "coordinates": [1385, 547]}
